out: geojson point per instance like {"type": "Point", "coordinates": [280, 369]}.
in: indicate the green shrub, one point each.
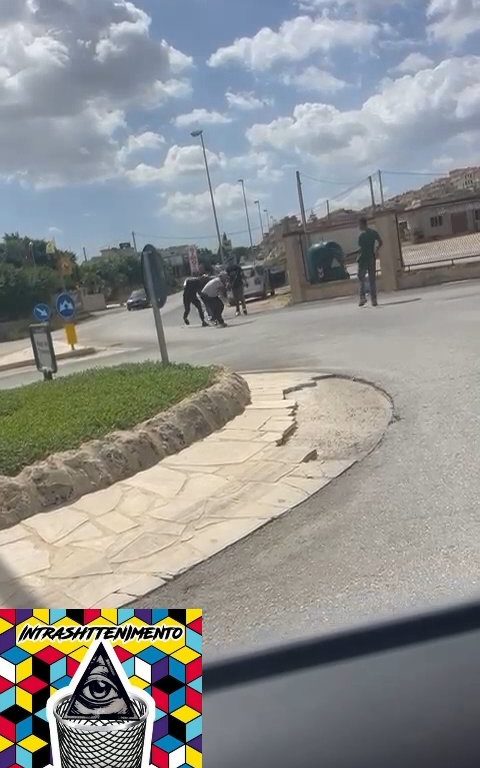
{"type": "Point", "coordinates": [48, 417]}
{"type": "Point", "coordinates": [23, 287]}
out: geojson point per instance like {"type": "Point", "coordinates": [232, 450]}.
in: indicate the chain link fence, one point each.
{"type": "Point", "coordinates": [440, 234]}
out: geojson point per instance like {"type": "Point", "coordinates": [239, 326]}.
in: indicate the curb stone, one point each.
{"type": "Point", "coordinates": [98, 464]}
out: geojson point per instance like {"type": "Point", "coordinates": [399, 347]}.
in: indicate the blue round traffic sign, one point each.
{"type": "Point", "coordinates": [42, 312]}
{"type": "Point", "coordinates": [65, 306]}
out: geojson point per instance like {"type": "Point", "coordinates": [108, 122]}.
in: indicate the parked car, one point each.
{"type": "Point", "coordinates": [137, 300]}
{"type": "Point", "coordinates": [257, 283]}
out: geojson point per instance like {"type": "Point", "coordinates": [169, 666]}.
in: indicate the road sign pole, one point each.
{"type": "Point", "coordinates": [156, 312]}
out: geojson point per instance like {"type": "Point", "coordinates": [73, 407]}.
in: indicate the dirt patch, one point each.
{"type": "Point", "coordinates": [341, 418]}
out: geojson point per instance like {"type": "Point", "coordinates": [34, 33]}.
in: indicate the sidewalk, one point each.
{"type": "Point", "coordinates": [120, 543]}
{"type": "Point", "coordinates": [23, 358]}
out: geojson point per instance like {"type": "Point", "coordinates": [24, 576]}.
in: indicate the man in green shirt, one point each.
{"type": "Point", "coordinates": [369, 242]}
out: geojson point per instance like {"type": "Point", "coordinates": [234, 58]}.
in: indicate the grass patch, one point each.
{"type": "Point", "coordinates": [49, 417]}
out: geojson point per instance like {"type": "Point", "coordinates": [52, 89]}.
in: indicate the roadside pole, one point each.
{"type": "Point", "coordinates": [304, 221]}
{"type": "Point", "coordinates": [380, 182]}
{"type": "Point", "coordinates": [151, 292]}
{"type": "Point", "coordinates": [302, 207]}
{"type": "Point", "coordinates": [372, 193]}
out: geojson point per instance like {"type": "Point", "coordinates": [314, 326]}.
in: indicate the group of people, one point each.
{"type": "Point", "coordinates": [210, 292]}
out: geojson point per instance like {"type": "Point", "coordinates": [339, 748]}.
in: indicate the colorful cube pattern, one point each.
{"type": "Point", "coordinates": [170, 673]}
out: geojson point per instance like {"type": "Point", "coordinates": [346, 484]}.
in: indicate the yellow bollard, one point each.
{"type": "Point", "coordinates": [71, 334]}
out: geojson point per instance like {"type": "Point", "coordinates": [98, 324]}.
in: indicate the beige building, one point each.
{"type": "Point", "coordinates": [465, 178]}
{"type": "Point", "coordinates": [123, 249]}
{"type": "Point", "coordinates": [177, 257]}
{"type": "Point", "coordinates": [426, 220]}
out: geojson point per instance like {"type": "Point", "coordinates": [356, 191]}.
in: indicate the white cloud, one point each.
{"type": "Point", "coordinates": [404, 119]}
{"type": "Point", "coordinates": [200, 117]}
{"type": "Point", "coordinates": [295, 40]}
{"type": "Point", "coordinates": [314, 129]}
{"type": "Point", "coordinates": [198, 207]}
{"type": "Point", "coordinates": [270, 175]}
{"type": "Point", "coordinates": [413, 63]}
{"type": "Point", "coordinates": [315, 80]}
{"type": "Point", "coordinates": [179, 61]}
{"type": "Point", "coordinates": [70, 72]}
{"type": "Point", "coordinates": [139, 144]}
{"type": "Point", "coordinates": [143, 141]}
{"type": "Point", "coordinates": [179, 161]}
{"type": "Point", "coordinates": [246, 101]}
{"type": "Point", "coordinates": [250, 161]}
{"type": "Point", "coordinates": [452, 21]}
{"type": "Point", "coordinates": [263, 164]}
{"type": "Point", "coordinates": [164, 90]}
{"type": "Point", "coordinates": [182, 162]}
{"type": "Point", "coordinates": [442, 161]}
{"type": "Point", "coordinates": [361, 6]}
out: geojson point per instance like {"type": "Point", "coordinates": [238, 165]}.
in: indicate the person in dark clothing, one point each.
{"type": "Point", "coordinates": [191, 295]}
{"type": "Point", "coordinates": [369, 242]}
{"type": "Point", "coordinates": [236, 279]}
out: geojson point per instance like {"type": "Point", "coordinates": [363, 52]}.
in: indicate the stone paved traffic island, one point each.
{"type": "Point", "coordinates": [115, 545]}
{"type": "Point", "coordinates": [214, 396]}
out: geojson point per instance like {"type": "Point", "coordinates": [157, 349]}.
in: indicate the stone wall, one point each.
{"type": "Point", "coordinates": [390, 264]}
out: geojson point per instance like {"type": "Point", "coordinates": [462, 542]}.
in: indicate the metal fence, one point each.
{"type": "Point", "coordinates": [434, 235]}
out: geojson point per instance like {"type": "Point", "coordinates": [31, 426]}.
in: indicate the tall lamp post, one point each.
{"type": "Point", "coordinates": [257, 203]}
{"type": "Point", "coordinates": [241, 181]}
{"type": "Point", "coordinates": [31, 247]}
{"type": "Point", "coordinates": [265, 210]}
{"type": "Point", "coordinates": [196, 135]}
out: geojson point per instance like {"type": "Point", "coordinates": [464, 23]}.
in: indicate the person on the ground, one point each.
{"type": "Point", "coordinates": [369, 243]}
{"type": "Point", "coordinates": [237, 284]}
{"type": "Point", "coordinates": [192, 290]}
{"type": "Point", "coordinates": [213, 294]}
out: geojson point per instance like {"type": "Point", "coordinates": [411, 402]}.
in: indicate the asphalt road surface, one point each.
{"type": "Point", "coordinates": [402, 529]}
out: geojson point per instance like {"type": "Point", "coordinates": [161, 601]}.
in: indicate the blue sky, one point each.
{"type": "Point", "coordinates": [96, 111]}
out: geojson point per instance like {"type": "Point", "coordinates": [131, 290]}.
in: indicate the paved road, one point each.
{"type": "Point", "coordinates": [400, 530]}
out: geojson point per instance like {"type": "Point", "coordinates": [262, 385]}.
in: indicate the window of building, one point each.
{"type": "Point", "coordinates": [477, 214]}
{"type": "Point", "coordinates": [436, 221]}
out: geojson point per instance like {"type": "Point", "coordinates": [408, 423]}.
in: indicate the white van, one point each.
{"type": "Point", "coordinates": [257, 283]}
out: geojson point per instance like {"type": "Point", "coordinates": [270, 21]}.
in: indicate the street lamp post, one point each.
{"type": "Point", "coordinates": [196, 135]}
{"type": "Point", "coordinates": [257, 203]}
{"type": "Point", "coordinates": [268, 219]}
{"type": "Point", "coordinates": [241, 181]}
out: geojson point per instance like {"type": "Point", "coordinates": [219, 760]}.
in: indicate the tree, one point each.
{"type": "Point", "coordinates": [113, 274]}
{"type": "Point", "coordinates": [208, 258]}
{"type": "Point", "coordinates": [241, 253]}
{"type": "Point", "coordinates": [23, 287]}
{"type": "Point", "coordinates": [29, 274]}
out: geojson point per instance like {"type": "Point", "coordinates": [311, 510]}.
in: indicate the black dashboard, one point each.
{"type": "Point", "coordinates": [398, 694]}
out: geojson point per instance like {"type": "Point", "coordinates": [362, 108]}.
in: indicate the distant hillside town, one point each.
{"type": "Point", "coordinates": [445, 207]}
